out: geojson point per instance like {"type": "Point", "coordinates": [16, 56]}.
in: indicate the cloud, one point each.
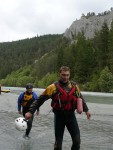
{"type": "Point", "coordinates": [96, 6]}
{"type": "Point", "coordinates": [27, 18]}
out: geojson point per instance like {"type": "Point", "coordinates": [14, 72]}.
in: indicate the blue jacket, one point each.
{"type": "Point", "coordinates": [21, 97]}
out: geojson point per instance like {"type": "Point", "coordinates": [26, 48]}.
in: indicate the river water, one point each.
{"type": "Point", "coordinates": [96, 134]}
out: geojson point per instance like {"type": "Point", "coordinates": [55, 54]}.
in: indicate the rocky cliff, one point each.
{"type": "Point", "coordinates": [89, 25]}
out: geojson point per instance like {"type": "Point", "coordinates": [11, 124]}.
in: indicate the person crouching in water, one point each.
{"type": "Point", "coordinates": [64, 94]}
{"type": "Point", "coordinates": [25, 100]}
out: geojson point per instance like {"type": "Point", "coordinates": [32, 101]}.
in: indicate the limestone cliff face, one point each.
{"type": "Point", "coordinates": [88, 25]}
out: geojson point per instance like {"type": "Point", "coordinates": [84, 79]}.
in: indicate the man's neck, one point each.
{"type": "Point", "coordinates": [63, 83]}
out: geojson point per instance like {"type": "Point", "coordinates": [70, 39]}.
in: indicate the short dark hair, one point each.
{"type": "Point", "coordinates": [64, 68]}
{"type": "Point", "coordinates": [29, 86]}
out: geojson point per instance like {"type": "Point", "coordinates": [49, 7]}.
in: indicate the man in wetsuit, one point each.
{"type": "Point", "coordinates": [64, 94]}
{"type": "Point", "coordinates": [25, 99]}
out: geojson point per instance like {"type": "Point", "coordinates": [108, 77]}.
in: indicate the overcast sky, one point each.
{"type": "Point", "coordinates": [20, 19]}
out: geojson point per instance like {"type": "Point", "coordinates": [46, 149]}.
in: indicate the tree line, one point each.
{"type": "Point", "coordinates": [37, 60]}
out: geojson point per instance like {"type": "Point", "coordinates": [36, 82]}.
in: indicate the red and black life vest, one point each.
{"type": "Point", "coordinates": [64, 100]}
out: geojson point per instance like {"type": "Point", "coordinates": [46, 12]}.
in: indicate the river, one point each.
{"type": "Point", "coordinates": [96, 134]}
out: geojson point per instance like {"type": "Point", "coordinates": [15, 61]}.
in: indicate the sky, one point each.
{"type": "Point", "coordinates": [21, 19]}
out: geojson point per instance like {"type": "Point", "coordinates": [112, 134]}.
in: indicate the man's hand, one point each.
{"type": "Point", "coordinates": [88, 114]}
{"type": "Point", "coordinates": [28, 115]}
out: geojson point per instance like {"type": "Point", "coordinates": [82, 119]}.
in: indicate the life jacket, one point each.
{"type": "Point", "coordinates": [27, 99]}
{"type": "Point", "coordinates": [63, 100]}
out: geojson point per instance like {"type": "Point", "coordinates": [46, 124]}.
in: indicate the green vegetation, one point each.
{"type": "Point", "coordinates": [37, 60]}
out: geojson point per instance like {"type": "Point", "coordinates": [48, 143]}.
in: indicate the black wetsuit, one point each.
{"type": "Point", "coordinates": [29, 122]}
{"type": "Point", "coordinates": [62, 118]}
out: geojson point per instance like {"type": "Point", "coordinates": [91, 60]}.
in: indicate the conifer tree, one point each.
{"type": "Point", "coordinates": [110, 49]}
{"type": "Point", "coordinates": [102, 49]}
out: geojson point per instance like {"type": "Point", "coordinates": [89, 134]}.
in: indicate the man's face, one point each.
{"type": "Point", "coordinates": [64, 76]}
{"type": "Point", "coordinates": [29, 90]}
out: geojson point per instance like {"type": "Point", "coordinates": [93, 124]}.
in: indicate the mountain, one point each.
{"type": "Point", "coordinates": [37, 60]}
{"type": "Point", "coordinates": [89, 24]}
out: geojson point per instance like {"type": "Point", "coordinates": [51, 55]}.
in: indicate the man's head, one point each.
{"type": "Point", "coordinates": [29, 88]}
{"type": "Point", "coordinates": [64, 74]}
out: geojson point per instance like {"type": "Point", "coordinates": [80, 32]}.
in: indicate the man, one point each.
{"type": "Point", "coordinates": [25, 100]}
{"type": "Point", "coordinates": [64, 94]}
